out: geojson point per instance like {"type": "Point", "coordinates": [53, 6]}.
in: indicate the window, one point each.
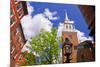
{"type": "Point", "coordinates": [66, 26]}
{"type": "Point", "coordinates": [69, 26]}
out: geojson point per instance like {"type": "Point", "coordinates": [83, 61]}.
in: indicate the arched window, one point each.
{"type": "Point", "coordinates": [66, 26]}
{"type": "Point", "coordinates": [69, 26]}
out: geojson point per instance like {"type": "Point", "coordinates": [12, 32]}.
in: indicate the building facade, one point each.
{"type": "Point", "coordinates": [89, 15]}
{"type": "Point", "coordinates": [17, 40]}
{"type": "Point", "coordinates": [85, 51]}
{"type": "Point", "coordinates": [69, 33]}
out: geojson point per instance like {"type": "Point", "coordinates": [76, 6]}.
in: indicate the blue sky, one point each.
{"type": "Point", "coordinates": [72, 10]}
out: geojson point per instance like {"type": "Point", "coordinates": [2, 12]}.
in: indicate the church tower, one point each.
{"type": "Point", "coordinates": [69, 33]}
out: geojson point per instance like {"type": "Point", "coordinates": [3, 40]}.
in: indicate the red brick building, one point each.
{"type": "Point", "coordinates": [17, 40]}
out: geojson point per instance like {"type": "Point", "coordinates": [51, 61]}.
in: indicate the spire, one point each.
{"type": "Point", "coordinates": [66, 16]}
{"type": "Point", "coordinates": [68, 24]}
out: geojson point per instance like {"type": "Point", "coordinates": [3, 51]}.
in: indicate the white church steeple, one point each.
{"type": "Point", "coordinates": [66, 16]}
{"type": "Point", "coordinates": [68, 24]}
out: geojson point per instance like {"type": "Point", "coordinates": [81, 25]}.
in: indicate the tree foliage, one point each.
{"type": "Point", "coordinates": [46, 46]}
{"type": "Point", "coordinates": [29, 58]}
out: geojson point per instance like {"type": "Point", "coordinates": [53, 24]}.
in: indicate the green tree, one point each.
{"type": "Point", "coordinates": [46, 46]}
{"type": "Point", "coordinates": [30, 58]}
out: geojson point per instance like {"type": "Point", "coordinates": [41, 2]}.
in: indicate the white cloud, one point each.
{"type": "Point", "coordinates": [41, 22]}
{"type": "Point", "coordinates": [33, 25]}
{"type": "Point", "coordinates": [50, 15]}
{"type": "Point", "coordinates": [60, 28]}
{"type": "Point", "coordinates": [27, 24]}
{"type": "Point", "coordinates": [81, 35]}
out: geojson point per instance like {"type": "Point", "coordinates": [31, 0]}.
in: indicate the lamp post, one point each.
{"type": "Point", "coordinates": [67, 46]}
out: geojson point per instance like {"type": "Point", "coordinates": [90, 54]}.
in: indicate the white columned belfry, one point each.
{"type": "Point", "coordinates": [68, 24]}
